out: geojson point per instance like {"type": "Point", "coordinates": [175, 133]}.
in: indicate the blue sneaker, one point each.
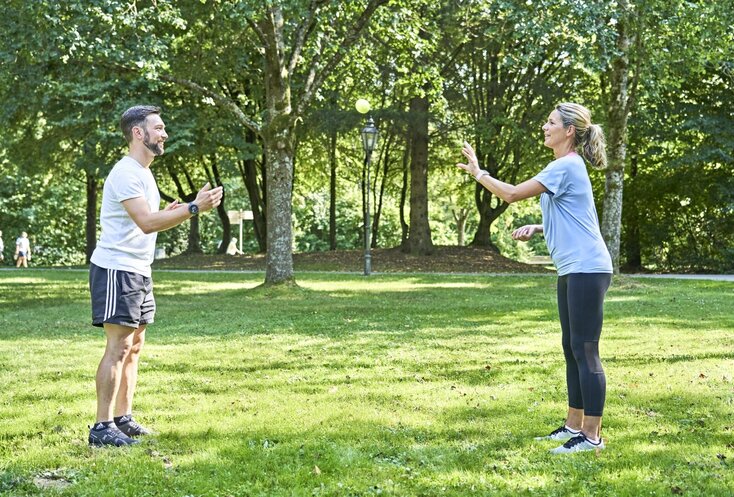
{"type": "Point", "coordinates": [111, 436]}
{"type": "Point", "coordinates": [131, 428]}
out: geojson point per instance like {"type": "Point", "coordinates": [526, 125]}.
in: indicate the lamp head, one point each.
{"type": "Point", "coordinates": [369, 136]}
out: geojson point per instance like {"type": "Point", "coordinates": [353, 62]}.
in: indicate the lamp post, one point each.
{"type": "Point", "coordinates": [369, 140]}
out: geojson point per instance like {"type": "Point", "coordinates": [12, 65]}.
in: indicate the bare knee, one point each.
{"type": "Point", "coordinates": [118, 350]}
{"type": "Point", "coordinates": [135, 350]}
{"type": "Point", "coordinates": [137, 343]}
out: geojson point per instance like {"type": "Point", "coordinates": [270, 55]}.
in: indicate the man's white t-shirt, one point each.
{"type": "Point", "coordinates": [123, 245]}
{"type": "Point", "coordinates": [23, 244]}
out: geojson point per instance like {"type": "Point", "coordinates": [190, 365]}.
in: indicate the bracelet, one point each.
{"type": "Point", "coordinates": [481, 173]}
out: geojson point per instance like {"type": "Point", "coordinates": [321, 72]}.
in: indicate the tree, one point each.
{"type": "Point", "coordinates": [620, 98]}
{"type": "Point", "coordinates": [652, 41]}
{"type": "Point", "coordinates": [515, 65]}
{"type": "Point", "coordinates": [296, 44]}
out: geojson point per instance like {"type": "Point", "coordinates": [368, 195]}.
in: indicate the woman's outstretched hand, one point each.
{"type": "Point", "coordinates": [472, 167]}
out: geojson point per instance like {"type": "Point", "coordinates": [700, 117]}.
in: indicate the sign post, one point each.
{"type": "Point", "coordinates": [236, 217]}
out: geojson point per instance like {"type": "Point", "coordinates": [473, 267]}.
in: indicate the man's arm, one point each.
{"type": "Point", "coordinates": [153, 222]}
{"type": "Point", "coordinates": [174, 214]}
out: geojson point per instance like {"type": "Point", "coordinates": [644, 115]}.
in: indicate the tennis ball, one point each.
{"type": "Point", "coordinates": [362, 106]}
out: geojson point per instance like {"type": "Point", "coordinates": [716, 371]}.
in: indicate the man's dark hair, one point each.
{"type": "Point", "coordinates": [135, 116]}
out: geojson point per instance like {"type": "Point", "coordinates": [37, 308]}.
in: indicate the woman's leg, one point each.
{"type": "Point", "coordinates": [575, 415]}
{"type": "Point", "coordinates": [586, 313]}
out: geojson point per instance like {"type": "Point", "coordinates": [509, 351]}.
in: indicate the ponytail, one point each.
{"type": "Point", "coordinates": [589, 137]}
{"type": "Point", "coordinates": [594, 147]}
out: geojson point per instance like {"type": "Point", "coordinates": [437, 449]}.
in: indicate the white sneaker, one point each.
{"type": "Point", "coordinates": [560, 434]}
{"type": "Point", "coordinates": [579, 443]}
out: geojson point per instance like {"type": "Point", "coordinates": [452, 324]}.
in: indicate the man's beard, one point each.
{"type": "Point", "coordinates": [156, 148]}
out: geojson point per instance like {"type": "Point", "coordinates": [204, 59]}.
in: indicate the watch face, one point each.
{"type": "Point", "coordinates": [193, 209]}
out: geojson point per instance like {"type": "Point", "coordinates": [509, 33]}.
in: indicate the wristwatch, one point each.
{"type": "Point", "coordinates": [193, 209]}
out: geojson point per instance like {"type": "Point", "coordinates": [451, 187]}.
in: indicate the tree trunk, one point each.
{"type": "Point", "coordinates": [250, 177]}
{"type": "Point", "coordinates": [332, 191]}
{"type": "Point", "coordinates": [487, 215]}
{"type": "Point", "coordinates": [404, 228]}
{"type": "Point", "coordinates": [380, 193]}
{"type": "Point", "coordinates": [611, 225]}
{"type": "Point", "coordinates": [461, 230]}
{"type": "Point", "coordinates": [279, 171]}
{"type": "Point", "coordinates": [633, 249]}
{"type": "Point", "coordinates": [215, 179]}
{"type": "Point", "coordinates": [460, 216]}
{"type": "Point", "coordinates": [91, 215]}
{"type": "Point", "coordinates": [194, 240]}
{"type": "Point", "coordinates": [419, 238]}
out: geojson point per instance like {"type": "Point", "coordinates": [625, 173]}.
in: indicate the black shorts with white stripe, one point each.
{"type": "Point", "coordinates": [120, 297]}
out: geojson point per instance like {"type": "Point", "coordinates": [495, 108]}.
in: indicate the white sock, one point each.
{"type": "Point", "coordinates": [592, 442]}
{"type": "Point", "coordinates": [572, 430]}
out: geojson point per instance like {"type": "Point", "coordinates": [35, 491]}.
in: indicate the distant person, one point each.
{"type": "Point", "coordinates": [120, 275]}
{"type": "Point", "coordinates": [232, 248]}
{"type": "Point", "coordinates": [2, 248]}
{"type": "Point", "coordinates": [571, 229]}
{"type": "Point", "coordinates": [22, 250]}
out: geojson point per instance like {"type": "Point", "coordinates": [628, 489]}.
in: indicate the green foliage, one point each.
{"type": "Point", "coordinates": [39, 205]}
{"type": "Point", "coordinates": [492, 70]}
{"type": "Point", "coordinates": [367, 387]}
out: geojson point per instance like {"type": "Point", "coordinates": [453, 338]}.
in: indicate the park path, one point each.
{"type": "Point", "coordinates": [714, 277]}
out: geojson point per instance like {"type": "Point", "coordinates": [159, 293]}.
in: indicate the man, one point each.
{"type": "Point", "coordinates": [22, 250]}
{"type": "Point", "coordinates": [2, 248]}
{"type": "Point", "coordinates": [120, 276]}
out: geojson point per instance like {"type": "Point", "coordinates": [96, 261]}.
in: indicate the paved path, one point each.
{"type": "Point", "coordinates": [715, 277]}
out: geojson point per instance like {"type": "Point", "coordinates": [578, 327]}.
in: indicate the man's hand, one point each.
{"type": "Point", "coordinates": [208, 197]}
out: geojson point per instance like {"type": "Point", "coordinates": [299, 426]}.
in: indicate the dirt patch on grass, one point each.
{"type": "Point", "coordinates": [393, 260]}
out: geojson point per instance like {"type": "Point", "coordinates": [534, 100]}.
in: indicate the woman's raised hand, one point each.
{"type": "Point", "coordinates": [472, 167]}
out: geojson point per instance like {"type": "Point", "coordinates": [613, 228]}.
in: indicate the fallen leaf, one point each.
{"type": "Point", "coordinates": [316, 470]}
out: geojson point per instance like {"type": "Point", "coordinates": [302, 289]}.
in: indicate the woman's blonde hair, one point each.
{"type": "Point", "coordinates": [589, 137]}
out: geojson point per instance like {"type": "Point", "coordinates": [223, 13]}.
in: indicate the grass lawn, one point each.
{"type": "Point", "coordinates": [392, 385]}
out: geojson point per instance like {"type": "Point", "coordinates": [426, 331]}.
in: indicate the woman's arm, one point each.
{"type": "Point", "coordinates": [507, 192]}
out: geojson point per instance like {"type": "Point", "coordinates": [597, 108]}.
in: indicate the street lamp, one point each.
{"type": "Point", "coordinates": [369, 140]}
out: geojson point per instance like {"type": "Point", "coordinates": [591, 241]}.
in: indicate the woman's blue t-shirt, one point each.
{"type": "Point", "coordinates": [570, 221]}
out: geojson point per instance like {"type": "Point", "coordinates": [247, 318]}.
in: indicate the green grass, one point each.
{"type": "Point", "coordinates": [392, 385]}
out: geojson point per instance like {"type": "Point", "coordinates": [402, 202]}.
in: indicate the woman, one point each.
{"type": "Point", "coordinates": [571, 230]}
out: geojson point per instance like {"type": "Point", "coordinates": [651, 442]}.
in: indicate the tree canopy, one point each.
{"type": "Point", "coordinates": [259, 97]}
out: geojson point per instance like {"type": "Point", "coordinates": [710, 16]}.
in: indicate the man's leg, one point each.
{"type": "Point", "coordinates": [109, 372]}
{"type": "Point", "coordinates": [129, 377]}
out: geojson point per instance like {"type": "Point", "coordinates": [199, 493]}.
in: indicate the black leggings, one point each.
{"type": "Point", "coordinates": [581, 308]}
